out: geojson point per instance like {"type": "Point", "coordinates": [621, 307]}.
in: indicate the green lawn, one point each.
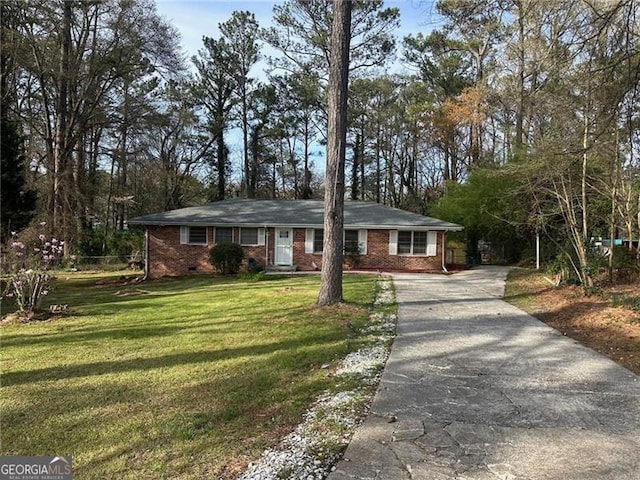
{"type": "Point", "coordinates": [182, 378]}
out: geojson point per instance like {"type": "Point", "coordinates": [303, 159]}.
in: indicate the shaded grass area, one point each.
{"type": "Point", "coordinates": [183, 378]}
{"type": "Point", "coordinates": [607, 322]}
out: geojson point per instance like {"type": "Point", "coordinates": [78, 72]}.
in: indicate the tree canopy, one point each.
{"type": "Point", "coordinates": [511, 118]}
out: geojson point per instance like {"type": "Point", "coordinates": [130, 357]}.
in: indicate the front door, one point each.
{"type": "Point", "coordinates": [284, 246]}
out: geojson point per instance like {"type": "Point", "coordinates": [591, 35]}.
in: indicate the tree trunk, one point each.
{"type": "Point", "coordinates": [331, 277]}
{"type": "Point", "coordinates": [362, 185]}
{"type": "Point", "coordinates": [378, 167]}
{"type": "Point", "coordinates": [355, 168]}
{"type": "Point", "coordinates": [61, 151]}
{"type": "Point", "coordinates": [122, 177]}
{"type": "Point", "coordinates": [221, 152]}
{"type": "Point", "coordinates": [521, 66]}
{"type": "Point", "coordinates": [250, 189]}
{"type": "Point", "coordinates": [306, 181]}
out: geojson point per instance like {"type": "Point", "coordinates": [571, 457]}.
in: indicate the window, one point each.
{"type": "Point", "coordinates": [413, 243]}
{"type": "Point", "coordinates": [419, 243]}
{"type": "Point", "coordinates": [318, 240]}
{"type": "Point", "coordinates": [313, 240]}
{"type": "Point", "coordinates": [252, 236]}
{"type": "Point", "coordinates": [223, 235]}
{"type": "Point", "coordinates": [198, 235]}
{"type": "Point", "coordinates": [351, 242]}
{"type": "Point", "coordinates": [355, 241]}
{"type": "Point", "coordinates": [248, 236]}
{"type": "Point", "coordinates": [404, 243]}
{"type": "Point", "coordinates": [193, 235]}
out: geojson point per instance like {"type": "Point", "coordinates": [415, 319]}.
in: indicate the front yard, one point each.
{"type": "Point", "coordinates": [183, 378]}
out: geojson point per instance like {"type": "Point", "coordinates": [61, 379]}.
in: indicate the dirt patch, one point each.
{"type": "Point", "coordinates": [598, 321]}
{"type": "Point", "coordinates": [120, 280]}
{"type": "Point", "coordinates": [131, 292]}
{"type": "Point", "coordinates": [51, 315]}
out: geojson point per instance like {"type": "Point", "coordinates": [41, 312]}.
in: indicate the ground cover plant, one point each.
{"type": "Point", "coordinates": [607, 321]}
{"type": "Point", "coordinates": [182, 378]}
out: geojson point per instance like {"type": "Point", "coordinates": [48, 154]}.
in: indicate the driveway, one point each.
{"type": "Point", "coordinates": [475, 388]}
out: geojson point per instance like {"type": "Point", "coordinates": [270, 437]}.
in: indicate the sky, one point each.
{"type": "Point", "coordinates": [196, 18]}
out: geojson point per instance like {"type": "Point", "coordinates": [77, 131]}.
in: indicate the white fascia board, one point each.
{"type": "Point", "coordinates": [300, 225]}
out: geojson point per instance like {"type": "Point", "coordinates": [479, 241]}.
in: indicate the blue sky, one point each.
{"type": "Point", "coordinates": [195, 18]}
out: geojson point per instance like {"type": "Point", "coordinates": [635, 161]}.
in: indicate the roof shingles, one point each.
{"type": "Point", "coordinates": [292, 213]}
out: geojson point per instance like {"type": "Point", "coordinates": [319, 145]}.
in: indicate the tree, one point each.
{"type": "Point", "coordinates": [18, 200]}
{"type": "Point", "coordinates": [299, 106]}
{"type": "Point", "coordinates": [304, 27]}
{"type": "Point", "coordinates": [331, 277]}
{"type": "Point", "coordinates": [262, 104]}
{"type": "Point", "coordinates": [490, 206]}
{"type": "Point", "coordinates": [72, 58]}
{"type": "Point", "coordinates": [241, 33]}
{"type": "Point", "coordinates": [215, 86]}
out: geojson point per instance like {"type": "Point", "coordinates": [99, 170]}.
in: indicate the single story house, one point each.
{"type": "Point", "coordinates": [289, 233]}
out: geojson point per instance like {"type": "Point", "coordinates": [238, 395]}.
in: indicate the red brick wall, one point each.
{"type": "Point", "coordinates": [377, 256]}
{"type": "Point", "coordinates": [167, 257]}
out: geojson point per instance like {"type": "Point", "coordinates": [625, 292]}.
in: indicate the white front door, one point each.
{"type": "Point", "coordinates": [284, 246]}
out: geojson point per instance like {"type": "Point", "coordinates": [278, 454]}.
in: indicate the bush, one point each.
{"type": "Point", "coordinates": [116, 244]}
{"type": "Point", "coordinates": [625, 264]}
{"type": "Point", "coordinates": [226, 257]}
{"type": "Point", "coordinates": [26, 265]}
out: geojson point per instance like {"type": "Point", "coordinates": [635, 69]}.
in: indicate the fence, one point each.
{"type": "Point", "coordinates": [135, 261]}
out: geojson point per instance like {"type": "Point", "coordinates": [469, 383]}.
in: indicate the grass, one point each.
{"type": "Point", "coordinates": [522, 286]}
{"type": "Point", "coordinates": [182, 378]}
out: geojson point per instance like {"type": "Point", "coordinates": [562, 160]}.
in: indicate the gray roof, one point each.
{"type": "Point", "coordinates": [292, 213]}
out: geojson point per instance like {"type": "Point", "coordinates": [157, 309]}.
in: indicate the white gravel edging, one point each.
{"type": "Point", "coordinates": [314, 447]}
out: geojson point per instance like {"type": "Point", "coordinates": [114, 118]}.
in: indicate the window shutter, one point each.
{"type": "Point", "coordinates": [362, 241]}
{"type": "Point", "coordinates": [308, 240]}
{"type": "Point", "coordinates": [261, 236]}
{"type": "Point", "coordinates": [432, 244]}
{"type": "Point", "coordinates": [184, 235]}
{"type": "Point", "coordinates": [393, 242]}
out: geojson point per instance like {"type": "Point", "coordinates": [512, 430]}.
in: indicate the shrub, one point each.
{"type": "Point", "coordinates": [226, 257]}
{"type": "Point", "coordinates": [95, 243]}
{"type": "Point", "coordinates": [625, 264]}
{"type": "Point", "coordinates": [27, 263]}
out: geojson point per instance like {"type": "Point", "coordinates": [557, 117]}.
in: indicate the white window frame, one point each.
{"type": "Point", "coordinates": [362, 239]}
{"type": "Point", "coordinates": [185, 235]}
{"type": "Point", "coordinates": [260, 236]}
{"type": "Point", "coordinates": [432, 244]}
{"type": "Point", "coordinates": [309, 241]}
{"type": "Point", "coordinates": [309, 237]}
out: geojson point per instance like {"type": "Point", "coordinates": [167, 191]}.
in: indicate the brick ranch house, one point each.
{"type": "Point", "coordinates": [288, 233]}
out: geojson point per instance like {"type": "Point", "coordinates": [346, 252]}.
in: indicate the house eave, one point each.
{"type": "Point", "coordinates": [349, 226]}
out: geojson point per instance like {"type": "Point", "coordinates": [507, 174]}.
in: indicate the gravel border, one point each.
{"type": "Point", "coordinates": [312, 450]}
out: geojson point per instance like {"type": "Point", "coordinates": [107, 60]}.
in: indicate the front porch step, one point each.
{"type": "Point", "coordinates": [281, 268]}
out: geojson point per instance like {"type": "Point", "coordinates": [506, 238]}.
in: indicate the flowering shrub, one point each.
{"type": "Point", "coordinates": [28, 263]}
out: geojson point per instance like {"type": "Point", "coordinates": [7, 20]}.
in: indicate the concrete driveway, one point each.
{"type": "Point", "coordinates": [475, 388]}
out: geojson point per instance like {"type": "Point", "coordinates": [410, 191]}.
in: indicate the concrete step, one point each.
{"type": "Point", "coordinates": [281, 268]}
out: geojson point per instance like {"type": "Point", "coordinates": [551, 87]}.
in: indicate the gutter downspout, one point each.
{"type": "Point", "coordinates": [266, 247]}
{"type": "Point", "coordinates": [444, 243]}
{"type": "Point", "coordinates": [146, 254]}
